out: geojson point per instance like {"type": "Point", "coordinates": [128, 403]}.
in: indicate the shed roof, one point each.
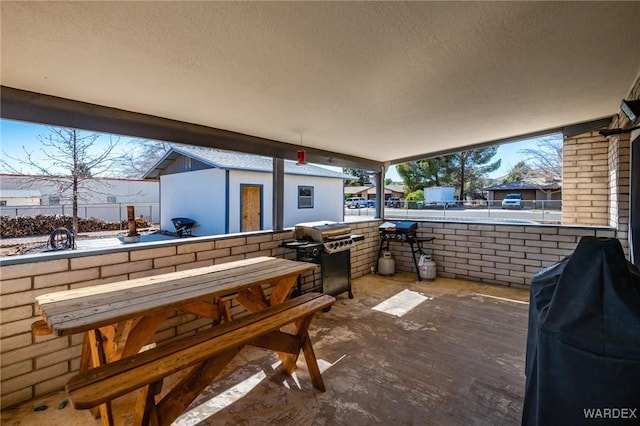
{"type": "Point", "coordinates": [229, 160]}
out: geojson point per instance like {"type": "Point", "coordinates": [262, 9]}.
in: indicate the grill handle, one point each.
{"type": "Point", "coordinates": [337, 237]}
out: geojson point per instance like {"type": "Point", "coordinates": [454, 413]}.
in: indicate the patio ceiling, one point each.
{"type": "Point", "coordinates": [382, 81]}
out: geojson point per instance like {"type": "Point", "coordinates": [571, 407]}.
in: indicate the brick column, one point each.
{"type": "Point", "coordinates": [585, 180]}
{"type": "Point", "coordinates": [620, 173]}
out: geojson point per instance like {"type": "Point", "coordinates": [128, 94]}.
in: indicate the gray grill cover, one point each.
{"type": "Point", "coordinates": [583, 344]}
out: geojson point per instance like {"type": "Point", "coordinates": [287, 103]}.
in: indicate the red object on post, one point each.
{"type": "Point", "coordinates": [302, 157]}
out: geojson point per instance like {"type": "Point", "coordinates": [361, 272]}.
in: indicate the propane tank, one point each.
{"type": "Point", "coordinates": [427, 268]}
{"type": "Point", "coordinates": [386, 264]}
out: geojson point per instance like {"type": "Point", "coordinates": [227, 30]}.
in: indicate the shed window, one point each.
{"type": "Point", "coordinates": [3, 203]}
{"type": "Point", "coordinates": [305, 197]}
{"type": "Point", "coordinates": [111, 199]}
{"type": "Point", "coordinates": [54, 200]}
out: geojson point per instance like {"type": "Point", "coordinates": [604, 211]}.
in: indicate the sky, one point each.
{"type": "Point", "coordinates": [509, 153]}
{"type": "Point", "coordinates": [16, 134]}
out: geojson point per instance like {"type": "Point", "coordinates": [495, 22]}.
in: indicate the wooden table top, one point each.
{"type": "Point", "coordinates": [83, 309]}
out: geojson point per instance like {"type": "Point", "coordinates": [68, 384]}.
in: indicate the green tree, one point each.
{"type": "Point", "coordinates": [518, 172]}
{"type": "Point", "coordinates": [424, 173]}
{"type": "Point", "coordinates": [464, 170]}
{"type": "Point", "coordinates": [469, 167]}
{"type": "Point", "coordinates": [417, 195]}
{"type": "Point", "coordinates": [364, 177]}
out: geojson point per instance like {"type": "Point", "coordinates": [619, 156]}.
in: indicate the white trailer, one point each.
{"type": "Point", "coordinates": [439, 196]}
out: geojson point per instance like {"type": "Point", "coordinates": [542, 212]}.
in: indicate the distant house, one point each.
{"type": "Point", "coordinates": [19, 197]}
{"type": "Point", "coordinates": [369, 192]}
{"type": "Point", "coordinates": [50, 192]}
{"type": "Point", "coordinates": [227, 192]}
{"type": "Point", "coordinates": [396, 191]}
{"type": "Point", "coordinates": [530, 190]}
{"type": "Point", "coordinates": [102, 198]}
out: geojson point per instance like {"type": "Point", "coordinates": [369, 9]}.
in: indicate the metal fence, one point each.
{"type": "Point", "coordinates": [538, 211]}
{"type": "Point", "coordinates": [107, 212]}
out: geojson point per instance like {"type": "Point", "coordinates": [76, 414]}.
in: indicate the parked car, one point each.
{"type": "Point", "coordinates": [355, 202]}
{"type": "Point", "coordinates": [512, 201]}
{"type": "Point", "coordinates": [394, 202]}
{"type": "Point", "coordinates": [371, 202]}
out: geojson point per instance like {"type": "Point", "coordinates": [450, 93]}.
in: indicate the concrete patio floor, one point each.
{"type": "Point", "coordinates": [457, 358]}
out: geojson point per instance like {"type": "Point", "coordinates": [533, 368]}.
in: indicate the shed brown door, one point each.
{"type": "Point", "coordinates": [251, 208]}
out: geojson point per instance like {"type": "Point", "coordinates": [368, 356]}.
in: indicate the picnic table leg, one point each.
{"type": "Point", "coordinates": [145, 412]}
{"type": "Point", "coordinates": [85, 364]}
{"type": "Point", "coordinates": [312, 363]}
{"type": "Point", "coordinates": [190, 386]}
{"type": "Point", "coordinates": [98, 358]}
{"type": "Point", "coordinates": [225, 309]}
{"type": "Point", "coordinates": [140, 334]}
{"type": "Point", "coordinates": [282, 290]}
{"type": "Point", "coordinates": [289, 360]}
{"type": "Point", "coordinates": [252, 298]}
{"type": "Point", "coordinates": [126, 338]}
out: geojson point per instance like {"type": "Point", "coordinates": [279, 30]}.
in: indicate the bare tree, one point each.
{"type": "Point", "coordinates": [68, 160]}
{"type": "Point", "coordinates": [545, 160]}
{"type": "Point", "coordinates": [143, 155]}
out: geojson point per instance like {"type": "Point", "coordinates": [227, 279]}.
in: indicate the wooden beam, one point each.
{"type": "Point", "coordinates": [35, 107]}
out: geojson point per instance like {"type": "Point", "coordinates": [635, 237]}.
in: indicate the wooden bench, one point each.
{"type": "Point", "coordinates": [208, 352]}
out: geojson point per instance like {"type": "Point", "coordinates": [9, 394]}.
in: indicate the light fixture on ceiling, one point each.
{"type": "Point", "coordinates": [302, 155]}
{"type": "Point", "coordinates": [631, 109]}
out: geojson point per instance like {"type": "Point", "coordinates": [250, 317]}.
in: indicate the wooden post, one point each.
{"type": "Point", "coordinates": [132, 221]}
{"type": "Point", "coordinates": [133, 236]}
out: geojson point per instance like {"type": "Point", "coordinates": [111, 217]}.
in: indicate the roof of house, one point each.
{"type": "Point", "coordinates": [396, 188]}
{"type": "Point", "coordinates": [229, 160]}
{"type": "Point", "coordinates": [523, 184]}
{"type": "Point", "coordinates": [369, 190]}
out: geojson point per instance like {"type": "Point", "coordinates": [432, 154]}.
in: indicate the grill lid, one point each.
{"type": "Point", "coordinates": [322, 231]}
{"type": "Point", "coordinates": [399, 227]}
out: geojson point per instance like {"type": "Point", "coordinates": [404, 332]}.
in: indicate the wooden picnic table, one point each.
{"type": "Point", "coordinates": [120, 318]}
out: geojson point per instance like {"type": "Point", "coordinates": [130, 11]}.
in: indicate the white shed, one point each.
{"type": "Point", "coordinates": [227, 192]}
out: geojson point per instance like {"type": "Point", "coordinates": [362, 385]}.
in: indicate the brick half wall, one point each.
{"type": "Point", "coordinates": [37, 365]}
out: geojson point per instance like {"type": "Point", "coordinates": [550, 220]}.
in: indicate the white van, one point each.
{"type": "Point", "coordinates": [513, 201]}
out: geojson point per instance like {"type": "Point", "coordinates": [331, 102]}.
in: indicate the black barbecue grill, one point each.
{"type": "Point", "coordinates": [402, 231]}
{"type": "Point", "coordinates": [327, 244]}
